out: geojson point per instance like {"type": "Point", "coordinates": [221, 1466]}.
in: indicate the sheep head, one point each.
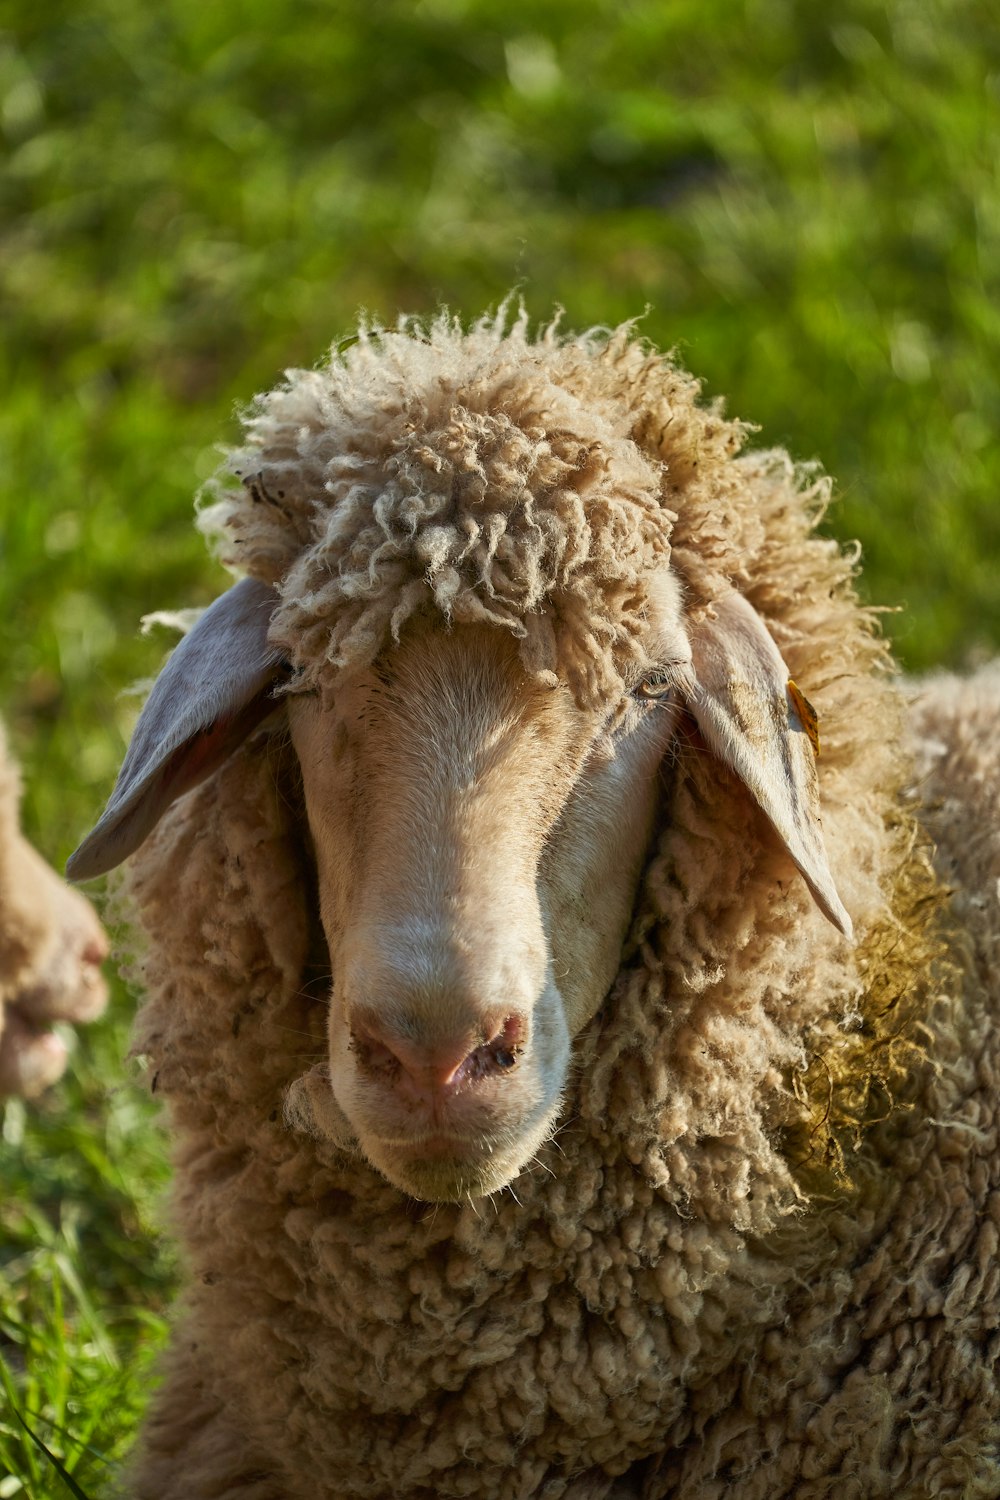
{"type": "Point", "coordinates": [491, 584]}
{"type": "Point", "coordinates": [51, 949]}
{"type": "Point", "coordinates": [479, 834]}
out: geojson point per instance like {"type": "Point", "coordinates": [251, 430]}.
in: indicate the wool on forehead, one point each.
{"type": "Point", "coordinates": [534, 483]}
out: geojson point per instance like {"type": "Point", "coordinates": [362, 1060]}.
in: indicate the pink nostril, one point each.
{"type": "Point", "coordinates": [438, 1066]}
{"type": "Point", "coordinates": [502, 1049]}
{"type": "Point", "coordinates": [95, 952]}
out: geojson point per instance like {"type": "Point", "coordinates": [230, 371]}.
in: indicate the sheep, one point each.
{"type": "Point", "coordinates": [561, 1106]}
{"type": "Point", "coordinates": [51, 950]}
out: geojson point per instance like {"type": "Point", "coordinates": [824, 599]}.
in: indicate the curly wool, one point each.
{"type": "Point", "coordinates": [652, 1297]}
{"type": "Point", "coordinates": [475, 472]}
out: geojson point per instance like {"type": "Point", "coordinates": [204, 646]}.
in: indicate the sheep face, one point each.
{"type": "Point", "coordinates": [479, 838]}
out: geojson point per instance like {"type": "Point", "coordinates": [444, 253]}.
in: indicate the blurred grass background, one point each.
{"type": "Point", "coordinates": [194, 196]}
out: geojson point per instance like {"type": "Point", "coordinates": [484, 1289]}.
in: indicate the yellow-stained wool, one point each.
{"type": "Point", "coordinates": [681, 1292]}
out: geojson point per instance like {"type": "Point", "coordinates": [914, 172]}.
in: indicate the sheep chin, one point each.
{"type": "Point", "coordinates": [440, 1178]}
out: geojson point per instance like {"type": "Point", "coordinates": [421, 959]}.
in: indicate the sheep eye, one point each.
{"type": "Point", "coordinates": [655, 684]}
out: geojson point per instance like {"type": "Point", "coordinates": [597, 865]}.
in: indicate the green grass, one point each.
{"type": "Point", "coordinates": [194, 196]}
{"type": "Point", "coordinates": [84, 1277]}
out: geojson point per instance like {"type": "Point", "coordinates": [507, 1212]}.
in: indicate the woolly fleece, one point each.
{"type": "Point", "coordinates": [724, 1276]}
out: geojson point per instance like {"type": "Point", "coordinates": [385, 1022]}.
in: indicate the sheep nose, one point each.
{"type": "Point", "coordinates": [95, 951]}
{"type": "Point", "coordinates": [443, 1066]}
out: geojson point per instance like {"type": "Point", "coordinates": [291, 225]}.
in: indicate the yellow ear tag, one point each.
{"type": "Point", "coordinates": [808, 716]}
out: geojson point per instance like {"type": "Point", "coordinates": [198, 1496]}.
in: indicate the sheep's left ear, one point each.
{"type": "Point", "coordinates": [754, 719]}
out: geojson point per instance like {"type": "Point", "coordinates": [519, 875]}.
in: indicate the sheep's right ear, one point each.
{"type": "Point", "coordinates": [215, 688]}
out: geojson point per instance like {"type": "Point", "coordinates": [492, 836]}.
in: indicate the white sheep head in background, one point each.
{"type": "Point", "coordinates": [51, 950]}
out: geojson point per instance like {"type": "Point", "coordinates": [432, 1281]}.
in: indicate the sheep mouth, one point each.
{"type": "Point", "coordinates": [444, 1167]}
{"type": "Point", "coordinates": [67, 993]}
{"type": "Point", "coordinates": [66, 985]}
{"type": "Point", "coordinates": [442, 1146]}
{"type": "Point", "coordinates": [454, 1146]}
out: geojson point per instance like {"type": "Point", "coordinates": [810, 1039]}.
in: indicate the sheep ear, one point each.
{"type": "Point", "coordinates": [757, 722]}
{"type": "Point", "coordinates": [215, 688]}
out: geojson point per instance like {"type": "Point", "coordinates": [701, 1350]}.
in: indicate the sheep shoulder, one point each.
{"type": "Point", "coordinates": [884, 1370]}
